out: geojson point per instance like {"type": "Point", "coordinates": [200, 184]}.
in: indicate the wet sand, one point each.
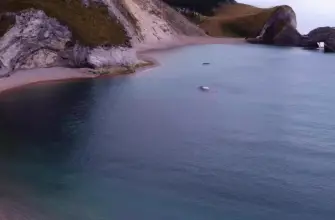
{"type": "Point", "coordinates": [34, 76]}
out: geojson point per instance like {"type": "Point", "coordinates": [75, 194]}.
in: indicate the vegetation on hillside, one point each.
{"type": "Point", "coordinates": [237, 20]}
{"type": "Point", "coordinates": [205, 7]}
{"type": "Point", "coordinates": [193, 16]}
{"type": "Point", "coordinates": [222, 18]}
{"type": "Point", "coordinates": [91, 26]}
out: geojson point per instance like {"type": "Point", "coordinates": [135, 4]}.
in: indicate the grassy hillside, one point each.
{"type": "Point", "coordinates": [237, 20]}
{"type": "Point", "coordinates": [91, 25]}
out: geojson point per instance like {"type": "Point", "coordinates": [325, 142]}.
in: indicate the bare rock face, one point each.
{"type": "Point", "coordinates": [104, 57]}
{"type": "Point", "coordinates": [33, 41]}
{"type": "Point", "coordinates": [150, 21]}
{"type": "Point", "coordinates": [288, 36]}
{"type": "Point", "coordinates": [39, 41]}
{"type": "Point", "coordinates": [325, 35]}
{"type": "Point", "coordinates": [74, 56]}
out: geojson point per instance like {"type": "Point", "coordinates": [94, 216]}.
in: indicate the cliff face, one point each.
{"type": "Point", "coordinates": [156, 21]}
{"type": "Point", "coordinates": [237, 20]}
{"type": "Point", "coordinates": [35, 33]}
{"type": "Point", "coordinates": [280, 29]}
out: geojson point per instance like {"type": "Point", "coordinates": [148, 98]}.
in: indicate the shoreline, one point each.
{"type": "Point", "coordinates": [183, 41]}
{"type": "Point", "coordinates": [23, 78]}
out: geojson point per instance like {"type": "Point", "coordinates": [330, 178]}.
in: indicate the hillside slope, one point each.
{"type": "Point", "coordinates": [203, 7]}
{"type": "Point", "coordinates": [79, 33]}
{"type": "Point", "coordinates": [238, 20]}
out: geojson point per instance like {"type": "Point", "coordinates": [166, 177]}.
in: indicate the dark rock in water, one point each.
{"type": "Point", "coordinates": [308, 44]}
{"type": "Point", "coordinates": [256, 40]}
{"type": "Point", "coordinates": [205, 63]}
{"type": "Point", "coordinates": [323, 34]}
{"type": "Point", "coordinates": [328, 49]}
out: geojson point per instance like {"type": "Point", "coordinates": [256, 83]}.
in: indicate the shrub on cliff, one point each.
{"type": "Point", "coordinates": [205, 7]}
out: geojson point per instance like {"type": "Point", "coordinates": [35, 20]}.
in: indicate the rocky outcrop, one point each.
{"type": "Point", "coordinates": [280, 29]}
{"type": "Point", "coordinates": [288, 36]}
{"type": "Point", "coordinates": [325, 35]}
{"type": "Point", "coordinates": [38, 41]}
{"type": "Point", "coordinates": [33, 41]}
{"type": "Point", "coordinates": [37, 37]}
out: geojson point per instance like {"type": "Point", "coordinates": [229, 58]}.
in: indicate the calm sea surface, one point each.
{"type": "Point", "coordinates": [259, 145]}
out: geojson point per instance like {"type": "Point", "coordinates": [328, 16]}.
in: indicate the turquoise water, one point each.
{"type": "Point", "coordinates": [259, 145]}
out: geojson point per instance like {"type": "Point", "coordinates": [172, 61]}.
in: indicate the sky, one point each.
{"type": "Point", "coordinates": [310, 13]}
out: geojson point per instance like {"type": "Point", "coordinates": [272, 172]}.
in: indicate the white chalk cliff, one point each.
{"type": "Point", "coordinates": [36, 40]}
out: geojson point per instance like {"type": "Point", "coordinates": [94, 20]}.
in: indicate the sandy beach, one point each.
{"type": "Point", "coordinates": [182, 41]}
{"type": "Point", "coordinates": [32, 76]}
{"type": "Point", "coordinates": [27, 77]}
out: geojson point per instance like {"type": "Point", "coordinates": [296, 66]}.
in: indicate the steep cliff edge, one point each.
{"type": "Point", "coordinates": [279, 29]}
{"type": "Point", "coordinates": [238, 20]}
{"type": "Point", "coordinates": [83, 33]}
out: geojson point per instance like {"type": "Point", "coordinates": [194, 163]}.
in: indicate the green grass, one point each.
{"type": "Point", "coordinates": [238, 20]}
{"type": "Point", "coordinates": [247, 26]}
{"type": "Point", "coordinates": [91, 26]}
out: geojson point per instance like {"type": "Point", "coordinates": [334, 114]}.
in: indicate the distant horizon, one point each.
{"type": "Point", "coordinates": [310, 14]}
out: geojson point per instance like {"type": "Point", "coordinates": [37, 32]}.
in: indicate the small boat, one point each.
{"type": "Point", "coordinates": [205, 63]}
{"type": "Point", "coordinates": [204, 88]}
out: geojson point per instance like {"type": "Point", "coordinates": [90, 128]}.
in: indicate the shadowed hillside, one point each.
{"type": "Point", "coordinates": [205, 7]}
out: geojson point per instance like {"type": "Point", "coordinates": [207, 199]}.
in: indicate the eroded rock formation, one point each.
{"type": "Point", "coordinates": [281, 30]}
{"type": "Point", "coordinates": [33, 41]}
{"type": "Point", "coordinates": [325, 35]}
{"type": "Point", "coordinates": [40, 38]}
